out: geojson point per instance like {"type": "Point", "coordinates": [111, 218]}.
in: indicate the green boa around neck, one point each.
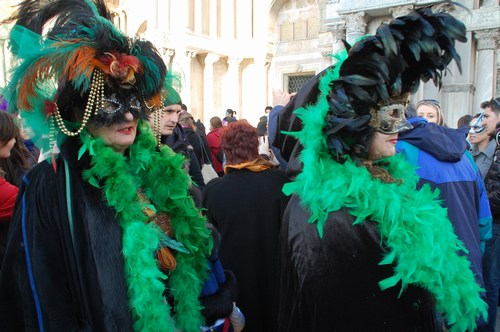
{"type": "Point", "coordinates": [161, 178]}
{"type": "Point", "coordinates": [412, 224]}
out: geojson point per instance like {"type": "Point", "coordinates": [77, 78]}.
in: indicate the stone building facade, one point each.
{"type": "Point", "coordinates": [234, 53]}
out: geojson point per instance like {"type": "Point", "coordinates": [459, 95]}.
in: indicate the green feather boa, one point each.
{"type": "Point", "coordinates": [413, 225]}
{"type": "Point", "coordinates": [161, 178]}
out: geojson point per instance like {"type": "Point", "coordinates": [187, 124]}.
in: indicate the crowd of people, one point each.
{"type": "Point", "coordinates": [346, 208]}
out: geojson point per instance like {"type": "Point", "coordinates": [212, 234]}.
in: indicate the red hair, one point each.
{"type": "Point", "coordinates": [240, 142]}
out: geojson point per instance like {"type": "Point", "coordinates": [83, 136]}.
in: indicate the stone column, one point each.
{"type": "Point", "coordinates": [338, 33]}
{"type": "Point", "coordinates": [213, 19]}
{"type": "Point", "coordinates": [198, 17]}
{"type": "Point", "coordinates": [355, 26]}
{"type": "Point", "coordinates": [234, 89]}
{"type": "Point", "coordinates": [185, 64]}
{"type": "Point", "coordinates": [487, 41]}
{"type": "Point", "coordinates": [227, 20]}
{"type": "Point", "coordinates": [208, 87]}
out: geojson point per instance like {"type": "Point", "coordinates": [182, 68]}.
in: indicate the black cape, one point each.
{"type": "Point", "coordinates": [331, 283]}
{"type": "Point", "coordinates": [68, 284]}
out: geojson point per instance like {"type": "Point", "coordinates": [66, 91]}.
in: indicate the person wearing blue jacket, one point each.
{"type": "Point", "coordinates": [442, 160]}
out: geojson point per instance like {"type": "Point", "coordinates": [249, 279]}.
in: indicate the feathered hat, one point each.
{"type": "Point", "coordinates": [375, 73]}
{"type": "Point", "coordinates": [76, 68]}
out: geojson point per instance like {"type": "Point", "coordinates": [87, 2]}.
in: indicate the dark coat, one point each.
{"type": "Point", "coordinates": [246, 207]}
{"type": "Point", "coordinates": [79, 284]}
{"type": "Point", "coordinates": [179, 142]}
{"type": "Point", "coordinates": [492, 184]}
{"type": "Point", "coordinates": [331, 283]}
{"type": "Point", "coordinates": [200, 146]}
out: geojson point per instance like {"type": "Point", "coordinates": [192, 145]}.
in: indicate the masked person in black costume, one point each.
{"type": "Point", "coordinates": [361, 248]}
{"type": "Point", "coordinates": [105, 236]}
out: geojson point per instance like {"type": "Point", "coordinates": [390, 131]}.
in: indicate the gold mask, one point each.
{"type": "Point", "coordinates": [390, 119]}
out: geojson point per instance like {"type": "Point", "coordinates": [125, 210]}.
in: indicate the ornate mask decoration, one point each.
{"type": "Point", "coordinates": [389, 119]}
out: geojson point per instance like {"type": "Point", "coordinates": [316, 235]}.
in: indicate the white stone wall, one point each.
{"type": "Point", "coordinates": [256, 44]}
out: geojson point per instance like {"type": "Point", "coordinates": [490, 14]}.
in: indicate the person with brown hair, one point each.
{"type": "Point", "coordinates": [246, 206]}
{"type": "Point", "coordinates": [199, 142]}
{"type": "Point", "coordinates": [488, 160]}
{"type": "Point", "coordinates": [8, 192]}
{"type": "Point", "coordinates": [213, 140]}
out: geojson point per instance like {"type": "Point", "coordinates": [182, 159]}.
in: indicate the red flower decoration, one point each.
{"type": "Point", "coordinates": [121, 66]}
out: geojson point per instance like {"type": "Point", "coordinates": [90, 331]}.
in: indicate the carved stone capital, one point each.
{"type": "Point", "coordinates": [167, 54]}
{"type": "Point", "coordinates": [338, 32]}
{"type": "Point", "coordinates": [191, 53]}
{"type": "Point", "coordinates": [487, 39]}
{"type": "Point", "coordinates": [355, 22]}
{"type": "Point", "coordinates": [400, 10]}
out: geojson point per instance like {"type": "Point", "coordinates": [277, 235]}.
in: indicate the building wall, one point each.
{"type": "Point", "coordinates": [234, 53]}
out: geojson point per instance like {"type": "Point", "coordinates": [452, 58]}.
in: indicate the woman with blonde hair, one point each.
{"type": "Point", "coordinates": [431, 110]}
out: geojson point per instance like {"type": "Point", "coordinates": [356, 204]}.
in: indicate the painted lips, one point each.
{"type": "Point", "coordinates": [126, 130]}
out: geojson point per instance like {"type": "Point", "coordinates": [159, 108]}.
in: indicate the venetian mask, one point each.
{"type": "Point", "coordinates": [389, 119]}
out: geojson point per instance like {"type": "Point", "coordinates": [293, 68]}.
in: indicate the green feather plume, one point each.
{"type": "Point", "coordinates": [162, 179]}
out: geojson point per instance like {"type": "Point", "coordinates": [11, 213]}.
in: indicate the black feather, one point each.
{"type": "Point", "coordinates": [412, 48]}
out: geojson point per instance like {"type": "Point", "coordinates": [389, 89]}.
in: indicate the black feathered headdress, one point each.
{"type": "Point", "coordinates": [373, 73]}
{"type": "Point", "coordinates": [75, 67]}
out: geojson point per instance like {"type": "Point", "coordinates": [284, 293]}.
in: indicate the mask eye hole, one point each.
{"type": "Point", "coordinates": [393, 113]}
{"type": "Point", "coordinates": [135, 103]}
{"type": "Point", "coordinates": [111, 105]}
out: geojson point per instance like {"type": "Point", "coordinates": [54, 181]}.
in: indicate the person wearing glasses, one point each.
{"type": "Point", "coordinates": [430, 109]}
{"type": "Point", "coordinates": [491, 258]}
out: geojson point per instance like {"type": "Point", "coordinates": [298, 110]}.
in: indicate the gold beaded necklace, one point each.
{"type": "Point", "coordinates": [95, 102]}
{"type": "Point", "coordinates": [157, 116]}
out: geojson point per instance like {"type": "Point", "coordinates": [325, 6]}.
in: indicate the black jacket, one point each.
{"type": "Point", "coordinates": [246, 207]}
{"type": "Point", "coordinates": [200, 146]}
{"type": "Point", "coordinates": [492, 185]}
{"type": "Point", "coordinates": [179, 142]}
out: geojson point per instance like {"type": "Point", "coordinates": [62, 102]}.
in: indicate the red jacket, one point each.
{"type": "Point", "coordinates": [8, 194]}
{"type": "Point", "coordinates": [213, 140]}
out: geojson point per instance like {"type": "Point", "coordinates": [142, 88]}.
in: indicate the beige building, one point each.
{"type": "Point", "coordinates": [233, 53]}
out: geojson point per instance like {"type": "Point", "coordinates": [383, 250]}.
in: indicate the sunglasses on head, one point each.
{"type": "Point", "coordinates": [431, 101]}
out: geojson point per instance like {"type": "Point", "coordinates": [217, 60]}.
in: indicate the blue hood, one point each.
{"type": "Point", "coordinates": [445, 144]}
